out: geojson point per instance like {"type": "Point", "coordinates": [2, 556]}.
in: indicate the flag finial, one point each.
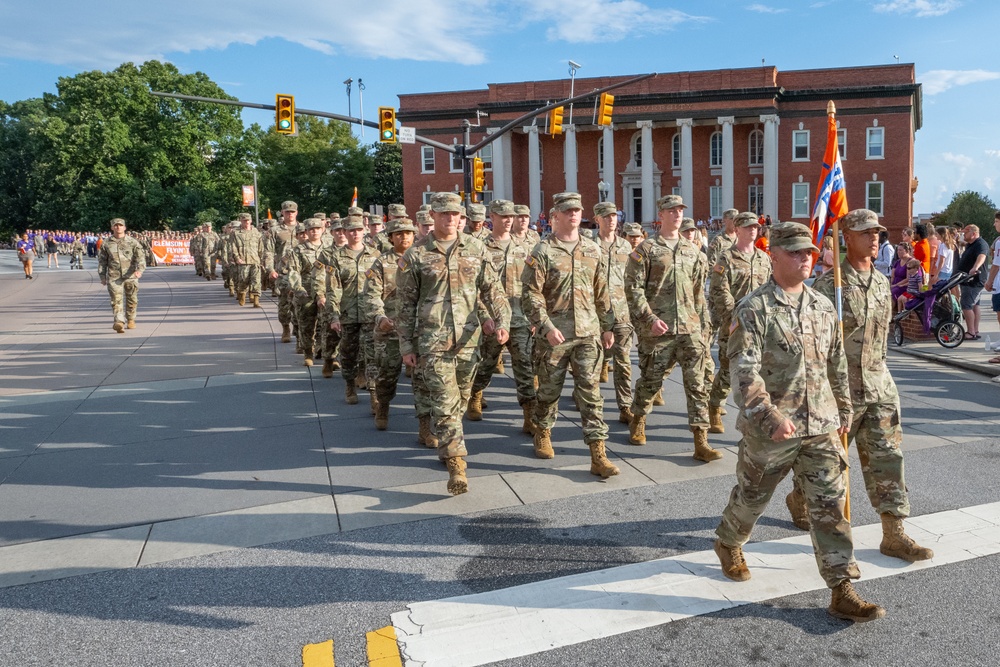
{"type": "Point", "coordinates": [831, 108]}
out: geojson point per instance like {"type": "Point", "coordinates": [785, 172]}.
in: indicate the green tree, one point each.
{"type": "Point", "coordinates": [970, 208]}
{"type": "Point", "coordinates": [387, 179]}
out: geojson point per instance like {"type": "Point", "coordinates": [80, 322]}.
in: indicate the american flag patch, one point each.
{"type": "Point", "coordinates": [635, 255]}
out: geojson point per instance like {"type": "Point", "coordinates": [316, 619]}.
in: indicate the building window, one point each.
{"type": "Point", "coordinates": [876, 143]}
{"type": "Point", "coordinates": [600, 155]}
{"type": "Point", "coordinates": [676, 151]}
{"type": "Point", "coordinates": [486, 155]}
{"type": "Point", "coordinates": [637, 149]}
{"type": "Point", "coordinates": [873, 197]}
{"type": "Point", "coordinates": [426, 198]}
{"type": "Point", "coordinates": [676, 190]}
{"type": "Point", "coordinates": [842, 143]}
{"type": "Point", "coordinates": [800, 200]}
{"type": "Point", "coordinates": [427, 159]}
{"type": "Point", "coordinates": [755, 199]}
{"type": "Point", "coordinates": [456, 163]}
{"type": "Point", "coordinates": [800, 145]}
{"type": "Point", "coordinates": [756, 141]}
{"type": "Point", "coordinates": [715, 199]}
{"type": "Point", "coordinates": [541, 162]}
{"type": "Point", "coordinates": [715, 150]}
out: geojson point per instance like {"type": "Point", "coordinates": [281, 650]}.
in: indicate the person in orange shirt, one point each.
{"type": "Point", "coordinates": [762, 241]}
{"type": "Point", "coordinates": [922, 247]}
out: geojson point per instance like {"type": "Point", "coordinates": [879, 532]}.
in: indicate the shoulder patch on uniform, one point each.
{"type": "Point", "coordinates": [718, 268]}
{"type": "Point", "coordinates": [635, 255]}
{"type": "Point", "coordinates": [734, 326]}
{"type": "Point", "coordinates": [403, 266]}
{"type": "Point", "coordinates": [369, 273]}
{"type": "Point", "coordinates": [530, 260]}
{"type": "Point", "coordinates": [318, 264]}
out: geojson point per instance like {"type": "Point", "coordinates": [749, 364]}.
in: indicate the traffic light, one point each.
{"type": "Point", "coordinates": [284, 114]}
{"type": "Point", "coordinates": [605, 108]}
{"type": "Point", "coordinates": [478, 177]}
{"type": "Point", "coordinates": [387, 125]}
{"type": "Point", "coordinates": [556, 121]}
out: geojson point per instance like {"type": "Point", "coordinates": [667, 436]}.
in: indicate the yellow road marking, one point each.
{"type": "Point", "coordinates": [318, 655]}
{"type": "Point", "coordinates": [383, 649]}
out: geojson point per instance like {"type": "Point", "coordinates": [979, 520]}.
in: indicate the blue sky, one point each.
{"type": "Point", "coordinates": [255, 49]}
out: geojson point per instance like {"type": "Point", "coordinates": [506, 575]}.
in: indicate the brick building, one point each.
{"type": "Point", "coordinates": [752, 139]}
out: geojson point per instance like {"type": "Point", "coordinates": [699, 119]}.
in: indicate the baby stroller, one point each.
{"type": "Point", "coordinates": [937, 309]}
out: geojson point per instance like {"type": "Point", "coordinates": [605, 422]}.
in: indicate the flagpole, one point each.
{"type": "Point", "coordinates": [831, 111]}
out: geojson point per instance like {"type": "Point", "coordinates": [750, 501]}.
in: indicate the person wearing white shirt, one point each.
{"type": "Point", "coordinates": [886, 253]}
{"type": "Point", "coordinates": [945, 257]}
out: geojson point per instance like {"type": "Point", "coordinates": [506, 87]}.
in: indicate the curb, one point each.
{"type": "Point", "coordinates": [982, 369]}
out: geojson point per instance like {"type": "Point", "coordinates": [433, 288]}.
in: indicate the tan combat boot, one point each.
{"type": "Point", "coordinates": [360, 381]}
{"type": "Point", "coordinates": [286, 334]}
{"type": "Point", "coordinates": [336, 365]}
{"type": "Point", "coordinates": [308, 361]}
{"type": "Point", "coordinates": [373, 400]}
{"type": "Point", "coordinates": [658, 399]}
{"type": "Point", "coordinates": [474, 410]}
{"type": "Point", "coordinates": [255, 300]}
{"type": "Point", "coordinates": [407, 371]}
{"type": "Point", "coordinates": [604, 373]}
{"type": "Point", "coordinates": [625, 416]}
{"type": "Point", "coordinates": [896, 543]}
{"type": "Point", "coordinates": [425, 435]}
{"type": "Point", "coordinates": [119, 327]}
{"type": "Point", "coordinates": [734, 566]}
{"type": "Point", "coordinates": [543, 443]}
{"type": "Point", "coordinates": [457, 481]}
{"type": "Point", "coordinates": [702, 450]}
{"type": "Point", "coordinates": [351, 393]}
{"type": "Point", "coordinates": [528, 409]}
{"type": "Point", "coordinates": [846, 604]}
{"type": "Point", "coordinates": [328, 368]}
{"type": "Point", "coordinates": [499, 367]}
{"type": "Point", "coordinates": [715, 420]}
{"type": "Point", "coordinates": [232, 291]}
{"type": "Point", "coordinates": [130, 325]}
{"type": "Point", "coordinates": [637, 430]}
{"type": "Point", "coordinates": [382, 415]}
{"type": "Point", "coordinates": [599, 463]}
{"type": "Point", "coordinates": [797, 508]}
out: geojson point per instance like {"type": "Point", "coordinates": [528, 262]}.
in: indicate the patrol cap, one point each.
{"type": "Point", "coordinates": [424, 207]}
{"type": "Point", "coordinates": [245, 216]}
{"type": "Point", "coordinates": [313, 223]}
{"type": "Point", "coordinates": [424, 218]}
{"type": "Point", "coordinates": [463, 212]}
{"type": "Point", "coordinates": [400, 225]}
{"type": "Point", "coordinates": [688, 223]}
{"type": "Point", "coordinates": [397, 211]}
{"type": "Point", "coordinates": [336, 223]}
{"type": "Point", "coordinates": [300, 228]}
{"type": "Point", "coordinates": [522, 209]}
{"type": "Point", "coordinates": [289, 206]}
{"type": "Point", "coordinates": [861, 220]}
{"type": "Point", "coordinates": [730, 214]}
{"type": "Point", "coordinates": [670, 201]}
{"type": "Point", "coordinates": [446, 202]}
{"type": "Point", "coordinates": [352, 222]}
{"type": "Point", "coordinates": [355, 210]}
{"type": "Point", "coordinates": [746, 219]}
{"type": "Point", "coordinates": [791, 236]}
{"type": "Point", "coordinates": [633, 229]}
{"type": "Point", "coordinates": [567, 201]}
{"type": "Point", "coordinates": [477, 212]}
{"type": "Point", "coordinates": [321, 215]}
{"type": "Point", "coordinates": [117, 221]}
{"type": "Point", "coordinates": [502, 207]}
{"type": "Point", "coordinates": [334, 216]}
{"type": "Point", "coordinates": [605, 208]}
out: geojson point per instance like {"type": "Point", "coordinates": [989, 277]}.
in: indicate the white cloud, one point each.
{"type": "Point", "coordinates": [583, 21]}
{"type": "Point", "coordinates": [963, 161]}
{"type": "Point", "coordinates": [939, 80]}
{"type": "Point", "coordinates": [989, 182]}
{"type": "Point", "coordinates": [992, 152]}
{"type": "Point", "coordinates": [764, 9]}
{"type": "Point", "coordinates": [920, 8]}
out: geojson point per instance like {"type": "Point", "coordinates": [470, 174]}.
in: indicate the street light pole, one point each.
{"type": "Point", "coordinates": [572, 85]}
{"type": "Point", "coordinates": [361, 103]}
{"type": "Point", "coordinates": [348, 84]}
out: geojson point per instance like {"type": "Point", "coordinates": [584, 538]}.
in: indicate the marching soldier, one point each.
{"type": "Point", "coordinates": [477, 222]}
{"type": "Point", "coordinates": [246, 250]}
{"type": "Point", "coordinates": [375, 238]}
{"type": "Point", "coordinates": [726, 239]}
{"type": "Point", "coordinates": [208, 250]}
{"type": "Point", "coordinates": [665, 284]}
{"type": "Point", "coordinates": [277, 244]}
{"type": "Point", "coordinates": [565, 297]}
{"type": "Point", "coordinates": [440, 285]}
{"type": "Point", "coordinates": [120, 263]}
{"type": "Point", "coordinates": [791, 375]}
{"type": "Point", "coordinates": [301, 264]}
{"type": "Point", "coordinates": [739, 270]}
{"type": "Point", "coordinates": [521, 231]}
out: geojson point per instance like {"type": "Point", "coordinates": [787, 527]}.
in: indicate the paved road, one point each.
{"type": "Point", "coordinates": [188, 494]}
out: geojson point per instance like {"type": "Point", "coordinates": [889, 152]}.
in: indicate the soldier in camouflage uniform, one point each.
{"type": "Point", "coordinates": [337, 285]}
{"type": "Point", "coordinates": [867, 308]}
{"type": "Point", "coordinates": [277, 244]}
{"type": "Point", "coordinates": [196, 250]}
{"type": "Point", "coordinates": [448, 293]}
{"type": "Point", "coordinates": [507, 257]}
{"type": "Point", "coordinates": [739, 270]}
{"type": "Point", "coordinates": [565, 297]}
{"type": "Point", "coordinates": [790, 415]}
{"type": "Point", "coordinates": [726, 239]}
{"type": "Point", "coordinates": [380, 305]}
{"type": "Point", "coordinates": [665, 283]}
{"type": "Point", "coordinates": [521, 231]}
{"type": "Point", "coordinates": [376, 238]}
{"type": "Point", "coordinates": [208, 250]}
{"type": "Point", "coordinates": [246, 252]}
{"type": "Point", "coordinates": [301, 265]}
{"type": "Point", "coordinates": [477, 222]}
{"type": "Point", "coordinates": [228, 271]}
{"type": "Point", "coordinates": [616, 251]}
{"type": "Point", "coordinates": [120, 263]}
{"type": "Point", "coordinates": [425, 225]}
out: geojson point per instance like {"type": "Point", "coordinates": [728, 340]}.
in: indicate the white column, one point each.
{"type": "Point", "coordinates": [569, 157]}
{"type": "Point", "coordinates": [687, 162]}
{"type": "Point", "coordinates": [771, 122]}
{"type": "Point", "coordinates": [503, 147]}
{"type": "Point", "coordinates": [534, 172]}
{"type": "Point", "coordinates": [609, 164]}
{"type": "Point", "coordinates": [727, 161]}
{"type": "Point", "coordinates": [648, 195]}
{"type": "Point", "coordinates": [500, 183]}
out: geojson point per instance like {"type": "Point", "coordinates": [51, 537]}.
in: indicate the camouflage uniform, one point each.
{"type": "Point", "coordinates": [245, 253]}
{"type": "Point", "coordinates": [567, 290]}
{"type": "Point", "coordinates": [208, 250]}
{"type": "Point", "coordinates": [616, 257]}
{"type": "Point", "coordinates": [787, 358]}
{"type": "Point", "coordinates": [196, 246]}
{"type": "Point", "coordinates": [277, 244]}
{"type": "Point", "coordinates": [117, 263]}
{"type": "Point", "coordinates": [439, 293]}
{"type": "Point", "coordinates": [719, 245]}
{"type": "Point", "coordinates": [301, 264]}
{"type": "Point", "coordinates": [228, 271]}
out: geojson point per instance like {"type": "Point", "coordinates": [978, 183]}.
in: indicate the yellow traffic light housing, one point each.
{"type": "Point", "coordinates": [556, 121]}
{"type": "Point", "coordinates": [478, 175]}
{"type": "Point", "coordinates": [284, 114]}
{"type": "Point", "coordinates": [387, 125]}
{"type": "Point", "coordinates": [605, 108]}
